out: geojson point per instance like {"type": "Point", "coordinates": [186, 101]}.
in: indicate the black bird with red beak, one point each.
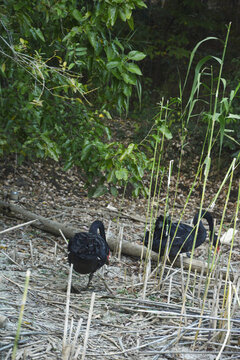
{"type": "Point", "coordinates": [89, 251]}
{"type": "Point", "coordinates": [180, 237]}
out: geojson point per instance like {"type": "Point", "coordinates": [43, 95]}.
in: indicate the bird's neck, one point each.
{"type": "Point", "coordinates": [206, 215]}
{"type": "Point", "coordinates": [201, 228]}
{"type": "Point", "coordinates": [98, 225]}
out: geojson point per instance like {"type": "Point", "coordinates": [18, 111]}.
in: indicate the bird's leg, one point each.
{"type": "Point", "coordinates": [74, 290]}
{"type": "Point", "coordinates": [89, 281]}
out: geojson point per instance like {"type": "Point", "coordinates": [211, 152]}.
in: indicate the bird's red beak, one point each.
{"type": "Point", "coordinates": [108, 257]}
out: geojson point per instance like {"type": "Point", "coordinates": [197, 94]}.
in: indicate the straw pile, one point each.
{"type": "Point", "coordinates": [123, 315]}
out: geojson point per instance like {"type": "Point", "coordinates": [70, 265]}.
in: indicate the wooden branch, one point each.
{"type": "Point", "coordinates": [43, 223]}
{"type": "Point", "coordinates": [128, 248]}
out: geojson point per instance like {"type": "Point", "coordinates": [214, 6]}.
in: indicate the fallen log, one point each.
{"type": "Point", "coordinates": [127, 248]}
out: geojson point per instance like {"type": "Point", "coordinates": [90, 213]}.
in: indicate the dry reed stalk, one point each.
{"type": "Point", "coordinates": [74, 343]}
{"type": "Point", "coordinates": [194, 286]}
{"type": "Point", "coordinates": [112, 341]}
{"type": "Point", "coordinates": [13, 261]}
{"type": "Point", "coordinates": [182, 276]}
{"type": "Point", "coordinates": [216, 296]}
{"type": "Point", "coordinates": [65, 345]}
{"type": "Point", "coordinates": [55, 250]}
{"type": "Point", "coordinates": [121, 344]}
{"type": "Point", "coordinates": [236, 301]}
{"type": "Point", "coordinates": [108, 230]}
{"type": "Point", "coordinates": [200, 284]}
{"type": "Point", "coordinates": [106, 284]}
{"type": "Point", "coordinates": [223, 323]}
{"type": "Point", "coordinates": [18, 226]}
{"type": "Point", "coordinates": [184, 293]}
{"type": "Point", "coordinates": [70, 331]}
{"type": "Point", "coordinates": [31, 250]}
{"type": "Point", "coordinates": [63, 236]}
{"type": "Point", "coordinates": [169, 289]}
{"type": "Point", "coordinates": [87, 330]}
{"type": "Point", "coordinates": [120, 242]}
{"type": "Point", "coordinates": [228, 321]}
{"type": "Point", "coordinates": [146, 277]}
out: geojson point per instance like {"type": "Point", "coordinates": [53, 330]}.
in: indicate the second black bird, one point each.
{"type": "Point", "coordinates": [178, 236]}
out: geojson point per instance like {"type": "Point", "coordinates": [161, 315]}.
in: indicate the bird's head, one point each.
{"type": "Point", "coordinates": [159, 225]}
{"type": "Point", "coordinates": [146, 239]}
{"type": "Point", "coordinates": [159, 222]}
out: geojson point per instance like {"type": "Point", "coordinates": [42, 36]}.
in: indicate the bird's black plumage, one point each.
{"type": "Point", "coordinates": [178, 236]}
{"type": "Point", "coordinates": [89, 251]}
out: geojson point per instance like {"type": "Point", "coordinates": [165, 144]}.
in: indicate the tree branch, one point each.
{"type": "Point", "coordinates": [128, 248]}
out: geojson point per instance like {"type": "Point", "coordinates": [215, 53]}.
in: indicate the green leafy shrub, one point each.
{"type": "Point", "coordinates": [60, 58]}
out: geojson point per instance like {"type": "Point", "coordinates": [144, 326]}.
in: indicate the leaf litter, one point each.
{"type": "Point", "coordinates": [119, 323]}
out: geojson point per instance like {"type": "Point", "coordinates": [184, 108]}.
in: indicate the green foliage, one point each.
{"type": "Point", "coordinates": [208, 91]}
{"type": "Point", "coordinates": [119, 164]}
{"type": "Point", "coordinates": [220, 105]}
{"type": "Point", "coordinates": [60, 58]}
{"type": "Point", "coordinates": [60, 61]}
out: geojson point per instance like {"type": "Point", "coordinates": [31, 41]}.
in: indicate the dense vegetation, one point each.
{"type": "Point", "coordinates": [68, 67]}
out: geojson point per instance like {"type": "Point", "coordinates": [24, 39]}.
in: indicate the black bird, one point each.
{"type": "Point", "coordinates": [180, 236]}
{"type": "Point", "coordinates": [89, 251]}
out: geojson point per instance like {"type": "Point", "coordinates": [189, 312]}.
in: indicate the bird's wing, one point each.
{"type": "Point", "coordinates": [82, 243]}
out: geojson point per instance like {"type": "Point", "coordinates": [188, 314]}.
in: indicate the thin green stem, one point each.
{"type": "Point", "coordinates": [24, 299]}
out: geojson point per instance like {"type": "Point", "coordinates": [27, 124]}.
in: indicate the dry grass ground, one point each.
{"type": "Point", "coordinates": [124, 323]}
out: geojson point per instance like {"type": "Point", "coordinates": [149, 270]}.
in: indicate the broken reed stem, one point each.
{"type": "Point", "coordinates": [31, 250]}
{"type": "Point", "coordinates": [14, 262]}
{"type": "Point", "coordinates": [70, 331]}
{"type": "Point", "coordinates": [147, 272]}
{"type": "Point", "coordinates": [55, 249]}
{"type": "Point", "coordinates": [65, 346]}
{"type": "Point", "coordinates": [17, 226]}
{"type": "Point", "coordinates": [88, 326]}
{"type": "Point", "coordinates": [24, 299]}
{"type": "Point", "coordinates": [236, 299]}
{"type": "Point", "coordinates": [120, 242]}
{"type": "Point", "coordinates": [184, 294]}
{"type": "Point", "coordinates": [76, 337]}
{"type": "Point", "coordinates": [63, 236]}
{"type": "Point", "coordinates": [182, 275]}
{"type": "Point", "coordinates": [169, 289]}
{"type": "Point", "coordinates": [216, 298]}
